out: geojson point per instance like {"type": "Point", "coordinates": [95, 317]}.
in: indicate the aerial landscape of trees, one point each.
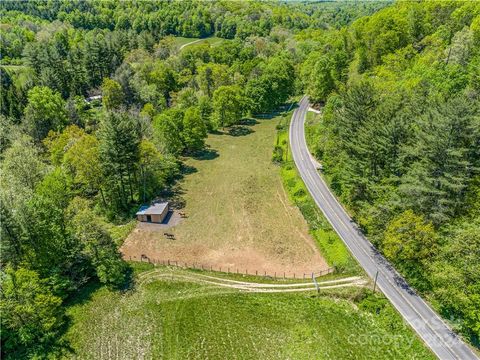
{"type": "Point", "coordinates": [400, 142]}
{"type": "Point", "coordinates": [399, 135]}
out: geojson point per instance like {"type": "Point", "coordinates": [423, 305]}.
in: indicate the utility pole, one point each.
{"type": "Point", "coordinates": [375, 282]}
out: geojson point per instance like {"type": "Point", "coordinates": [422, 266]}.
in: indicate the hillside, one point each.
{"type": "Point", "coordinates": [106, 107]}
{"type": "Point", "coordinates": [399, 140]}
{"type": "Point", "coordinates": [187, 319]}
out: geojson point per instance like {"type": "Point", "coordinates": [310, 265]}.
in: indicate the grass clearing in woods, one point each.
{"type": "Point", "coordinates": [183, 320]}
{"type": "Point", "coordinates": [213, 41]}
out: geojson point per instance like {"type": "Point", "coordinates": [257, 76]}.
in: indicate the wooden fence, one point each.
{"type": "Point", "coordinates": [234, 270]}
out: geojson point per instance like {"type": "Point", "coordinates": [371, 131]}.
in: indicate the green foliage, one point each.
{"type": "Point", "coordinates": [119, 140]}
{"type": "Point", "coordinates": [277, 156]}
{"type": "Point", "coordinates": [45, 111]}
{"type": "Point", "coordinates": [399, 139]}
{"type": "Point", "coordinates": [392, 138]}
{"type": "Point", "coordinates": [194, 130]}
{"type": "Point", "coordinates": [318, 77]}
{"type": "Point", "coordinates": [97, 244]}
{"type": "Point", "coordinates": [82, 163]}
{"type": "Point", "coordinates": [409, 242]}
{"type": "Point", "coordinates": [168, 127]}
{"type": "Point", "coordinates": [156, 170]}
{"type": "Point", "coordinates": [112, 94]}
{"type": "Point", "coordinates": [228, 105]}
{"type": "Point", "coordinates": [211, 76]}
{"type": "Point", "coordinates": [442, 158]}
{"type": "Point", "coordinates": [31, 314]}
{"type": "Point", "coordinates": [273, 87]}
{"type": "Point", "coordinates": [455, 277]}
{"type": "Point", "coordinates": [58, 142]}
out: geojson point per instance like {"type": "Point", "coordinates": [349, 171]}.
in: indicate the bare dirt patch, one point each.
{"type": "Point", "coordinates": [238, 214]}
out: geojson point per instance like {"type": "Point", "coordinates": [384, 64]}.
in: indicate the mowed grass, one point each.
{"type": "Point", "coordinates": [179, 320]}
{"type": "Point", "coordinates": [332, 247]}
{"type": "Point", "coordinates": [236, 199]}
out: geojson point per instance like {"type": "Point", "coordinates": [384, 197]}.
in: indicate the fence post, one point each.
{"type": "Point", "coordinates": [256, 272]}
{"type": "Point", "coordinates": [228, 270]}
{"type": "Point", "coordinates": [168, 262]}
{"type": "Point", "coordinates": [275, 275]}
{"type": "Point", "coordinates": [284, 274]}
{"type": "Point", "coordinates": [294, 275]}
{"type": "Point", "coordinates": [316, 285]}
{"type": "Point", "coordinates": [303, 276]}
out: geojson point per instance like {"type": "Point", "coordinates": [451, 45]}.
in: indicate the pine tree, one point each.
{"type": "Point", "coordinates": [119, 154]}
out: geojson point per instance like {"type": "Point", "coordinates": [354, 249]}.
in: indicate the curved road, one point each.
{"type": "Point", "coordinates": [430, 327]}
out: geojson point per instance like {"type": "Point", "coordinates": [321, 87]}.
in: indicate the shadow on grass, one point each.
{"type": "Point", "coordinates": [248, 122]}
{"type": "Point", "coordinates": [239, 130]}
{"type": "Point", "coordinates": [206, 154]}
{"type": "Point", "coordinates": [186, 170]}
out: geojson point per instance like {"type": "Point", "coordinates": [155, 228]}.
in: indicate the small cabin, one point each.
{"type": "Point", "coordinates": [155, 213]}
{"type": "Point", "coordinates": [93, 98]}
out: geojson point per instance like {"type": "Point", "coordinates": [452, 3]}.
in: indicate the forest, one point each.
{"type": "Point", "coordinates": [400, 142]}
{"type": "Point", "coordinates": [398, 85]}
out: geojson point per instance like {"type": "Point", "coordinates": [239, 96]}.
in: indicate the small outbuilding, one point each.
{"type": "Point", "coordinates": [155, 213]}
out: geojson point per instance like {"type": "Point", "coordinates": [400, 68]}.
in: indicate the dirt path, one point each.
{"type": "Point", "coordinates": [190, 43]}
{"type": "Point", "coordinates": [159, 274]}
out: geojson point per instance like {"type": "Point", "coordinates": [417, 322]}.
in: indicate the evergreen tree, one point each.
{"type": "Point", "coordinates": [119, 140]}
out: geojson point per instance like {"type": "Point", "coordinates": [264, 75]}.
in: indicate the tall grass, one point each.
{"type": "Point", "coordinates": [180, 320]}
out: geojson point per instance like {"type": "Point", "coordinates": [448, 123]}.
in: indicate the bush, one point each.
{"type": "Point", "coordinates": [277, 157]}
{"type": "Point", "coordinates": [300, 193]}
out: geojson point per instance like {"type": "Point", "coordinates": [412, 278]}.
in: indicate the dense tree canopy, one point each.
{"type": "Point", "coordinates": [400, 140]}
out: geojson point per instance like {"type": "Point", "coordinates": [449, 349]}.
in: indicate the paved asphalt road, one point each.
{"type": "Point", "coordinates": [435, 333]}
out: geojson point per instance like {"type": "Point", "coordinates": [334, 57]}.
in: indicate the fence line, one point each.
{"type": "Point", "coordinates": [236, 270]}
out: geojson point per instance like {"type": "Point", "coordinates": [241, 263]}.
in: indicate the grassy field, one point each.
{"type": "Point", "coordinates": [238, 213]}
{"type": "Point", "coordinates": [165, 319]}
{"type": "Point", "coordinates": [213, 40]}
{"type": "Point", "coordinates": [332, 247]}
